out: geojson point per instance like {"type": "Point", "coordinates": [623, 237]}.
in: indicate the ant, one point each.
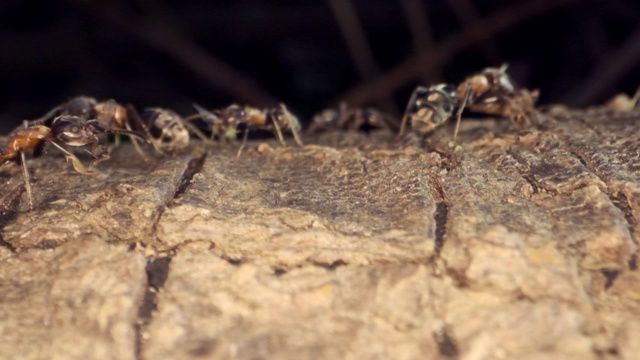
{"type": "Point", "coordinates": [62, 130]}
{"type": "Point", "coordinates": [161, 127]}
{"type": "Point", "coordinates": [107, 115]}
{"type": "Point", "coordinates": [351, 119]}
{"type": "Point", "coordinates": [227, 123]}
{"type": "Point", "coordinates": [490, 91]}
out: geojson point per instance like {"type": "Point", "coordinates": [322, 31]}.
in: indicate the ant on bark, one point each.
{"type": "Point", "coordinates": [490, 91]}
{"type": "Point", "coordinates": [228, 122]}
{"type": "Point", "coordinates": [69, 130]}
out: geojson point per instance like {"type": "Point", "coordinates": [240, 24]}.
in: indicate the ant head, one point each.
{"type": "Point", "coordinates": [74, 131]}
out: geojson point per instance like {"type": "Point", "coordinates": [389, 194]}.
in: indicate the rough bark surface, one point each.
{"type": "Point", "coordinates": [518, 243]}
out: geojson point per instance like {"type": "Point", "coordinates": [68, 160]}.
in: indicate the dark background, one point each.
{"type": "Point", "coordinates": [307, 53]}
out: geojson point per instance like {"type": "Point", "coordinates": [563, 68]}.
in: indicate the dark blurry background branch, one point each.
{"type": "Point", "coordinates": [426, 61]}
{"type": "Point", "coordinates": [607, 73]}
{"type": "Point", "coordinates": [363, 60]}
{"type": "Point", "coordinates": [351, 28]}
{"type": "Point", "coordinates": [467, 14]}
{"type": "Point", "coordinates": [173, 42]}
{"type": "Point", "coordinates": [310, 54]}
{"type": "Point", "coordinates": [422, 35]}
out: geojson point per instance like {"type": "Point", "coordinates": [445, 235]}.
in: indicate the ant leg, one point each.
{"type": "Point", "coordinates": [412, 101]}
{"type": "Point", "coordinates": [208, 117]}
{"type": "Point", "coordinates": [133, 113]}
{"type": "Point", "coordinates": [103, 155]}
{"type": "Point", "coordinates": [136, 146]}
{"type": "Point", "coordinates": [403, 125]}
{"type": "Point", "coordinates": [294, 124]}
{"type": "Point", "coordinates": [465, 99]}
{"type": "Point", "coordinates": [27, 181]}
{"type": "Point", "coordinates": [139, 150]}
{"type": "Point", "coordinates": [296, 136]}
{"type": "Point", "coordinates": [635, 98]}
{"type": "Point", "coordinates": [77, 164]}
{"type": "Point", "coordinates": [99, 151]}
{"type": "Point", "coordinates": [199, 133]}
{"type": "Point", "coordinates": [279, 133]}
{"type": "Point", "coordinates": [244, 142]}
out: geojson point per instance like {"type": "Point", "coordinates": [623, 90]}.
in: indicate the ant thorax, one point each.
{"type": "Point", "coordinates": [74, 131]}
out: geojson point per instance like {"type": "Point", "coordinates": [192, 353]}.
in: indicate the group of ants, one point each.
{"type": "Point", "coordinates": [88, 123]}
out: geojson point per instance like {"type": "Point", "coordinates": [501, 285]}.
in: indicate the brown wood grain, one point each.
{"type": "Point", "coordinates": [518, 243]}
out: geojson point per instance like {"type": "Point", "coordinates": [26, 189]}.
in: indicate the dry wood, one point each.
{"type": "Point", "coordinates": [516, 244]}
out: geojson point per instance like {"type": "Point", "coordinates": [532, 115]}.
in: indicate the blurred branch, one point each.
{"type": "Point", "coordinates": [416, 14]}
{"type": "Point", "coordinates": [421, 34]}
{"type": "Point", "coordinates": [426, 61]}
{"type": "Point", "coordinates": [610, 70]}
{"type": "Point", "coordinates": [184, 50]}
{"type": "Point", "coordinates": [358, 45]}
{"type": "Point", "coordinates": [467, 14]}
{"type": "Point", "coordinates": [353, 33]}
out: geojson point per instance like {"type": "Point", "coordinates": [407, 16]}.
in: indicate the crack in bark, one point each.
{"type": "Point", "coordinates": [610, 276]}
{"type": "Point", "coordinates": [157, 271]}
{"type": "Point", "coordinates": [332, 265]}
{"type": "Point", "coordinates": [4, 243]}
{"type": "Point", "coordinates": [446, 345]}
{"type": "Point", "coordinates": [8, 211]}
{"type": "Point", "coordinates": [449, 159]}
{"type": "Point", "coordinates": [633, 262]}
{"type": "Point", "coordinates": [528, 175]}
{"type": "Point", "coordinates": [195, 166]}
{"type": "Point", "coordinates": [157, 268]}
{"type": "Point", "coordinates": [618, 199]}
{"type": "Point", "coordinates": [440, 216]}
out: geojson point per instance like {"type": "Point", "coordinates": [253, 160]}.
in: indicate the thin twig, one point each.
{"type": "Point", "coordinates": [412, 67]}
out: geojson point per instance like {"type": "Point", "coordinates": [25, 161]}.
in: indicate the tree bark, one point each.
{"type": "Point", "coordinates": [517, 243]}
